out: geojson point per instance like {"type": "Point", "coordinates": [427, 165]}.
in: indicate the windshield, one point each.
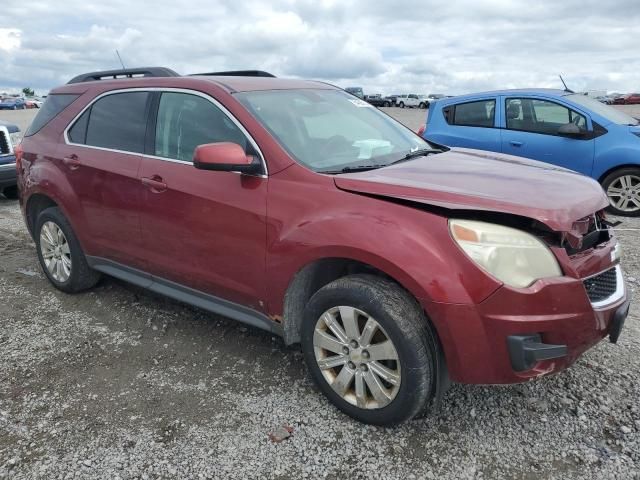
{"type": "Point", "coordinates": [328, 130]}
{"type": "Point", "coordinates": [612, 114]}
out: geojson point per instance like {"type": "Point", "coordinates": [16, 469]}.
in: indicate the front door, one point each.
{"type": "Point", "coordinates": [202, 229]}
{"type": "Point", "coordinates": [531, 130]}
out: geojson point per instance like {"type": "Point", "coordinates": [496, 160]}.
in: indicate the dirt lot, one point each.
{"type": "Point", "coordinates": [120, 383]}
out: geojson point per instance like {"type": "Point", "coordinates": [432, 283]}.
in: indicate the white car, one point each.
{"type": "Point", "coordinates": [407, 100]}
{"type": "Point", "coordinates": [412, 100]}
{"type": "Point", "coordinates": [37, 102]}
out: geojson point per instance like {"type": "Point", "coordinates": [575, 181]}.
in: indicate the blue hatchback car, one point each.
{"type": "Point", "coordinates": [13, 103]}
{"type": "Point", "coordinates": [563, 128]}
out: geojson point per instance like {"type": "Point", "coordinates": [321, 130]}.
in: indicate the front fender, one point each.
{"type": "Point", "coordinates": [409, 244]}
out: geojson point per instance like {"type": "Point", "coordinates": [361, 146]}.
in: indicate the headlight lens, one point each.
{"type": "Point", "coordinates": [16, 138]}
{"type": "Point", "coordinates": [514, 257]}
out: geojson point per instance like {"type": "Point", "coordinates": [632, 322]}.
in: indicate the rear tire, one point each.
{"type": "Point", "coordinates": [623, 190]}
{"type": "Point", "coordinates": [11, 192]}
{"type": "Point", "coordinates": [380, 366]}
{"type": "Point", "coordinates": [401, 104]}
{"type": "Point", "coordinates": [60, 254]}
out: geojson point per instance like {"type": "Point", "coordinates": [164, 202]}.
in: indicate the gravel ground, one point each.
{"type": "Point", "coordinates": [120, 383]}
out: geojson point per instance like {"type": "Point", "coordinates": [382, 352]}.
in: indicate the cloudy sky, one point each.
{"type": "Point", "coordinates": [386, 46]}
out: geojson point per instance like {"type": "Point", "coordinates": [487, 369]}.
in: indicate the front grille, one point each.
{"type": "Point", "coordinates": [5, 149]}
{"type": "Point", "coordinates": [601, 286]}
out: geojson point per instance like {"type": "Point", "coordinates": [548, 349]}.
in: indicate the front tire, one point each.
{"type": "Point", "coordinates": [623, 189]}
{"type": "Point", "coordinates": [60, 254]}
{"type": "Point", "coordinates": [369, 348]}
{"type": "Point", "coordinates": [401, 105]}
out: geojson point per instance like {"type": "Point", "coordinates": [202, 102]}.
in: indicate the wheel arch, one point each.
{"type": "Point", "coordinates": [35, 204]}
{"type": "Point", "coordinates": [617, 167]}
{"type": "Point", "coordinates": [319, 272]}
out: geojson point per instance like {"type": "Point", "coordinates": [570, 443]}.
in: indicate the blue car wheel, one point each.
{"type": "Point", "coordinates": [623, 189]}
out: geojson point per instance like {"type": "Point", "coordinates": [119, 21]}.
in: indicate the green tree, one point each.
{"type": "Point", "coordinates": [28, 92]}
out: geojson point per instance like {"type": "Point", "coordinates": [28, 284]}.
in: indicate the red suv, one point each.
{"type": "Point", "coordinates": [300, 209]}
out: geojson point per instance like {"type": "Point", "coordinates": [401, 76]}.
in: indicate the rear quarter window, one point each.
{"type": "Point", "coordinates": [52, 106]}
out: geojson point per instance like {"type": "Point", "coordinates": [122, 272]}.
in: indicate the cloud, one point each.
{"type": "Point", "coordinates": [386, 46]}
{"type": "Point", "coordinates": [9, 38]}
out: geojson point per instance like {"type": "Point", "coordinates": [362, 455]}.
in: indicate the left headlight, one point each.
{"type": "Point", "coordinates": [16, 138]}
{"type": "Point", "coordinates": [514, 257]}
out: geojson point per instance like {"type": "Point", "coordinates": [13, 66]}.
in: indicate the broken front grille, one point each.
{"type": "Point", "coordinates": [601, 286]}
{"type": "Point", "coordinates": [596, 231]}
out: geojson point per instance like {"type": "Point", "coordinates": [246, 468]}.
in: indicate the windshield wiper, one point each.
{"type": "Point", "coordinates": [356, 168]}
{"type": "Point", "coordinates": [417, 153]}
{"type": "Point", "coordinates": [364, 168]}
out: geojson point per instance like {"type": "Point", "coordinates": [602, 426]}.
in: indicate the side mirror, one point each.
{"type": "Point", "coordinates": [570, 130]}
{"type": "Point", "coordinates": [225, 157]}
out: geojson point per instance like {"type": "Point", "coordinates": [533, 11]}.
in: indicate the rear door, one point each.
{"type": "Point", "coordinates": [202, 229]}
{"type": "Point", "coordinates": [531, 130]}
{"type": "Point", "coordinates": [101, 158]}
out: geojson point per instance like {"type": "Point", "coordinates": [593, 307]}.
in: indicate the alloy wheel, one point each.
{"type": "Point", "coordinates": [624, 193]}
{"type": "Point", "coordinates": [55, 251]}
{"type": "Point", "coordinates": [356, 357]}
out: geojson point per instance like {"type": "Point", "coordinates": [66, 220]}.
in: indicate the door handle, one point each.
{"type": "Point", "coordinates": [515, 144]}
{"type": "Point", "coordinates": [155, 183]}
{"type": "Point", "coordinates": [72, 161]}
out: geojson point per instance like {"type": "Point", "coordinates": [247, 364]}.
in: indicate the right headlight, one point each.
{"type": "Point", "coordinates": [514, 257]}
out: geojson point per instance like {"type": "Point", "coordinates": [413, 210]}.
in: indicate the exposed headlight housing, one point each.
{"type": "Point", "coordinates": [514, 257]}
{"type": "Point", "coordinates": [16, 138]}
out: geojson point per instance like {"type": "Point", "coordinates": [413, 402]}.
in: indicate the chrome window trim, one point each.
{"type": "Point", "coordinates": [615, 296]}
{"type": "Point", "coordinates": [164, 89]}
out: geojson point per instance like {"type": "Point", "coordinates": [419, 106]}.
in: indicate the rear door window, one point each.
{"type": "Point", "coordinates": [186, 121]}
{"type": "Point", "coordinates": [474, 114]}
{"type": "Point", "coordinates": [117, 121]}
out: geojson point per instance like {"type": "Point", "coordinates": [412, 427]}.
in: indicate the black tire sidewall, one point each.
{"type": "Point", "coordinates": [609, 179]}
{"type": "Point", "coordinates": [54, 215]}
{"type": "Point", "coordinates": [407, 402]}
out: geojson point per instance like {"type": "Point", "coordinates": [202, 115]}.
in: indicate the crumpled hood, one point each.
{"type": "Point", "coordinates": [465, 179]}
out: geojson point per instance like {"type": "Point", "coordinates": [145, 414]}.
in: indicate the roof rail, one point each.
{"type": "Point", "coordinates": [238, 73]}
{"type": "Point", "coordinates": [124, 73]}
